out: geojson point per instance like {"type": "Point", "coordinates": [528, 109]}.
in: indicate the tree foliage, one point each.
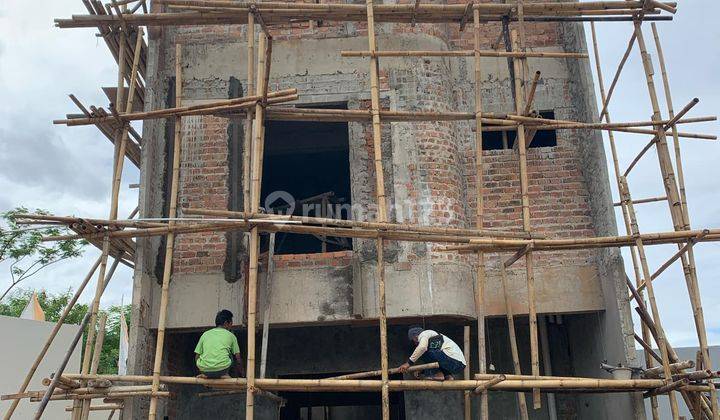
{"type": "Point", "coordinates": [54, 304]}
{"type": "Point", "coordinates": [22, 247]}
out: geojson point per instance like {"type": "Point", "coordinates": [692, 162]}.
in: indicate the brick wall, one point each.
{"type": "Point", "coordinates": [203, 184]}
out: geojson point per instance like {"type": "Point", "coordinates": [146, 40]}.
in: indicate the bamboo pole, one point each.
{"type": "Point", "coordinates": [170, 239]}
{"type": "Point", "coordinates": [78, 335]}
{"type": "Point", "coordinates": [530, 274]}
{"type": "Point", "coordinates": [633, 252]}
{"type": "Point", "coordinates": [360, 385]}
{"type": "Point", "coordinates": [97, 351]}
{"type": "Point", "coordinates": [462, 53]}
{"type": "Point", "coordinates": [61, 320]}
{"type": "Point", "coordinates": [479, 213]}
{"type": "Point", "coordinates": [661, 341]}
{"type": "Point", "coordinates": [467, 405]}
{"type": "Point", "coordinates": [254, 244]}
{"type": "Point", "coordinates": [486, 385]}
{"type": "Point", "coordinates": [522, 405]}
{"type": "Point", "coordinates": [373, 373]}
{"type": "Point", "coordinates": [266, 308]}
{"type": "Point", "coordinates": [381, 203]}
{"type": "Point", "coordinates": [689, 268]}
{"type": "Point", "coordinates": [247, 140]}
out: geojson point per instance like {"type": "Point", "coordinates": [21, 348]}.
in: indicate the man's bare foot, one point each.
{"type": "Point", "coordinates": [202, 376]}
{"type": "Point", "coordinates": [449, 378]}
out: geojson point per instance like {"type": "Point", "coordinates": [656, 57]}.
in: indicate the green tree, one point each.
{"type": "Point", "coordinates": [54, 304]}
{"type": "Point", "coordinates": [23, 248]}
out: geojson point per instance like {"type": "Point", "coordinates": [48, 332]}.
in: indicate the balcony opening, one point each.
{"type": "Point", "coordinates": [306, 172]}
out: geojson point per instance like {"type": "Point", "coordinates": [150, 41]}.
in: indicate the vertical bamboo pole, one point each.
{"type": "Point", "coordinates": [247, 140]}
{"type": "Point", "coordinates": [529, 271]}
{"type": "Point", "coordinates": [661, 340]}
{"type": "Point", "coordinates": [53, 334]}
{"type": "Point", "coordinates": [170, 240]}
{"type": "Point", "coordinates": [266, 309]}
{"type": "Point", "coordinates": [689, 267]}
{"type": "Point", "coordinates": [616, 167]}
{"type": "Point", "coordinates": [479, 212]}
{"type": "Point", "coordinates": [381, 203]}
{"type": "Point", "coordinates": [547, 364]}
{"type": "Point", "coordinates": [256, 162]}
{"type": "Point", "coordinates": [95, 361]}
{"type": "Point", "coordinates": [522, 405]}
{"type": "Point", "coordinates": [467, 407]}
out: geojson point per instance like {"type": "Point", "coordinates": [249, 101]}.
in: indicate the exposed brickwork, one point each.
{"type": "Point", "coordinates": [203, 184]}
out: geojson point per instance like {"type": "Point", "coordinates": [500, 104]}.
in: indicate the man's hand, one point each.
{"type": "Point", "coordinates": [404, 367]}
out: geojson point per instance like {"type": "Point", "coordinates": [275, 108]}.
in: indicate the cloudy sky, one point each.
{"type": "Point", "coordinates": [68, 170]}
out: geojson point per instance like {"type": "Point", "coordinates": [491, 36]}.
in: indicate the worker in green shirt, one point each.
{"type": "Point", "coordinates": [218, 349]}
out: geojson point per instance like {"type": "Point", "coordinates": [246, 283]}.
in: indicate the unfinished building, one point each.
{"type": "Point", "coordinates": [455, 143]}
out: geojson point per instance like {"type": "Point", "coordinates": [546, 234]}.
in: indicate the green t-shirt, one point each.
{"type": "Point", "coordinates": [216, 349]}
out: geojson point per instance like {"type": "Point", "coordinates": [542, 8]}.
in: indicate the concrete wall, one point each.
{"type": "Point", "coordinates": [23, 341]}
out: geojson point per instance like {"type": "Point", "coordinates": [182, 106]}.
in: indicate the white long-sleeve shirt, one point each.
{"type": "Point", "coordinates": [449, 347]}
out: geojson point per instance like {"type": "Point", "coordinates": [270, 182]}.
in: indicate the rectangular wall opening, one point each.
{"type": "Point", "coordinates": [306, 172]}
{"type": "Point", "coordinates": [498, 140]}
{"type": "Point", "coordinates": [339, 405]}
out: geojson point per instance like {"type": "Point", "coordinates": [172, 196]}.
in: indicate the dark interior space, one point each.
{"type": "Point", "coordinates": [498, 140]}
{"type": "Point", "coordinates": [307, 164]}
{"type": "Point", "coordinates": [338, 405]}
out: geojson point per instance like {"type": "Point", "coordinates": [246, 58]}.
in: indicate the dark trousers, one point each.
{"type": "Point", "coordinates": [448, 365]}
{"type": "Point", "coordinates": [217, 374]}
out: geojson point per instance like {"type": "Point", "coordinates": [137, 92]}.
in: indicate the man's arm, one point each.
{"type": "Point", "coordinates": [419, 351]}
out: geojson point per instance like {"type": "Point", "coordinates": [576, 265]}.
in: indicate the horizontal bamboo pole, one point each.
{"type": "Point", "coordinates": [210, 107]}
{"type": "Point", "coordinates": [101, 407]}
{"type": "Point", "coordinates": [372, 373]}
{"type": "Point", "coordinates": [115, 395]}
{"type": "Point", "coordinates": [398, 385]}
{"type": "Point", "coordinates": [324, 221]}
{"type": "Point", "coordinates": [667, 388]}
{"type": "Point", "coordinates": [463, 53]}
{"type": "Point", "coordinates": [468, 243]}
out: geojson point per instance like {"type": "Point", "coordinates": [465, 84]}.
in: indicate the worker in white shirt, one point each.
{"type": "Point", "coordinates": [432, 347]}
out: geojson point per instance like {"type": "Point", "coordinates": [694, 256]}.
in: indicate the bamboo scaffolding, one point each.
{"type": "Point", "coordinates": [373, 373]}
{"type": "Point", "coordinates": [467, 403]}
{"type": "Point", "coordinates": [266, 308]}
{"type": "Point", "coordinates": [479, 292]}
{"type": "Point", "coordinates": [520, 71]}
{"type": "Point", "coordinates": [99, 340]}
{"type": "Point", "coordinates": [102, 284]}
{"type": "Point", "coordinates": [522, 404]}
{"type": "Point", "coordinates": [616, 168]}
{"type": "Point", "coordinates": [467, 243]}
{"type": "Point", "coordinates": [39, 358]}
{"type": "Point", "coordinates": [254, 243]}
{"type": "Point", "coordinates": [678, 214]}
{"type": "Point", "coordinates": [361, 385]}
{"type": "Point", "coordinates": [170, 239]}
{"type": "Point", "coordinates": [463, 53]}
{"type": "Point", "coordinates": [118, 29]}
{"type": "Point", "coordinates": [184, 111]}
{"type": "Point", "coordinates": [381, 202]}
{"type": "Point", "coordinates": [689, 268]}
{"type": "Point", "coordinates": [625, 195]}
{"type": "Point", "coordinates": [204, 13]}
